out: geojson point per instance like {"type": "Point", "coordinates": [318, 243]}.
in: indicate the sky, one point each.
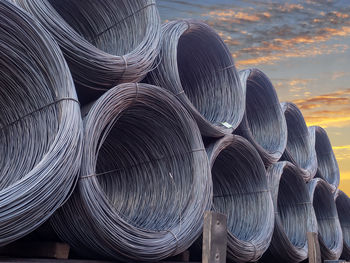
{"type": "Point", "coordinates": [303, 46]}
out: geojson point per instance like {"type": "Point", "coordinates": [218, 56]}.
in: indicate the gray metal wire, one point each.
{"type": "Point", "coordinates": [145, 181]}
{"type": "Point", "coordinates": [196, 66]}
{"type": "Point", "coordinates": [104, 42]}
{"type": "Point", "coordinates": [300, 149]}
{"type": "Point", "coordinates": [342, 202]}
{"type": "Point", "coordinates": [241, 192]}
{"type": "Point", "coordinates": [329, 230]}
{"type": "Point", "coordinates": [263, 124]}
{"type": "Point", "coordinates": [293, 210]}
{"type": "Point", "coordinates": [327, 163]}
{"type": "Point", "coordinates": [40, 125]}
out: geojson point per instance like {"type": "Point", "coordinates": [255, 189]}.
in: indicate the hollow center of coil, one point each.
{"type": "Point", "coordinates": [202, 61]}
{"type": "Point", "coordinates": [326, 215]}
{"type": "Point", "coordinates": [241, 193]}
{"type": "Point", "coordinates": [293, 208]}
{"type": "Point", "coordinates": [263, 112]}
{"type": "Point", "coordinates": [146, 165]}
{"type": "Point", "coordinates": [343, 208]}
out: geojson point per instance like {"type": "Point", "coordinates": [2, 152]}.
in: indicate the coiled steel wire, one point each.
{"type": "Point", "coordinates": [263, 124]}
{"type": "Point", "coordinates": [145, 180]}
{"type": "Point", "coordinates": [104, 42]}
{"type": "Point", "coordinates": [241, 192]}
{"type": "Point", "coordinates": [40, 125]}
{"type": "Point", "coordinates": [195, 65]}
{"type": "Point", "coordinates": [329, 230]}
{"type": "Point", "coordinates": [328, 168]}
{"type": "Point", "coordinates": [293, 210]}
{"type": "Point", "coordinates": [300, 149]}
{"type": "Point", "coordinates": [342, 202]}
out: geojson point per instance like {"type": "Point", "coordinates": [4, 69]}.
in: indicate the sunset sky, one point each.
{"type": "Point", "coordinates": [303, 46]}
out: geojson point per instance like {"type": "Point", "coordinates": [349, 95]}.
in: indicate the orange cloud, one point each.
{"type": "Point", "coordinates": [290, 7]}
{"type": "Point", "coordinates": [340, 15]}
{"type": "Point", "coordinates": [292, 53]}
{"type": "Point", "coordinates": [327, 110]}
{"type": "Point", "coordinates": [235, 17]}
{"type": "Point", "coordinates": [328, 121]}
{"type": "Point", "coordinates": [342, 152]}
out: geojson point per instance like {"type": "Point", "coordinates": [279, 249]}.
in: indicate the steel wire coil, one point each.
{"type": "Point", "coordinates": [328, 168]}
{"type": "Point", "coordinates": [330, 234]}
{"type": "Point", "coordinates": [145, 180]}
{"type": "Point", "coordinates": [263, 124]}
{"type": "Point", "coordinates": [342, 202]}
{"type": "Point", "coordinates": [195, 65]}
{"type": "Point", "coordinates": [40, 125]}
{"type": "Point", "coordinates": [104, 42]}
{"type": "Point", "coordinates": [293, 214]}
{"type": "Point", "coordinates": [300, 149]}
{"type": "Point", "coordinates": [241, 192]}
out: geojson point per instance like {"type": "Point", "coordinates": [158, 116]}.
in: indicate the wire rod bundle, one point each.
{"type": "Point", "coordinates": [145, 180]}
{"type": "Point", "coordinates": [263, 124]}
{"type": "Point", "coordinates": [327, 163]}
{"type": "Point", "coordinates": [241, 192]}
{"type": "Point", "coordinates": [40, 125]}
{"type": "Point", "coordinates": [329, 230]}
{"type": "Point", "coordinates": [293, 210]}
{"type": "Point", "coordinates": [196, 66]}
{"type": "Point", "coordinates": [342, 202]}
{"type": "Point", "coordinates": [104, 42]}
{"type": "Point", "coordinates": [300, 149]}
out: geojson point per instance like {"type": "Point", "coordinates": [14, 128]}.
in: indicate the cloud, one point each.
{"type": "Point", "coordinates": [311, 51]}
{"type": "Point", "coordinates": [342, 152]}
{"type": "Point", "coordinates": [340, 74]}
{"type": "Point", "coordinates": [290, 7]}
{"type": "Point", "coordinates": [233, 16]}
{"type": "Point", "coordinates": [327, 110]}
{"type": "Point", "coordinates": [265, 33]}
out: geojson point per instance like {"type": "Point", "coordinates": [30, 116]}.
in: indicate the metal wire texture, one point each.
{"type": "Point", "coordinates": [300, 149]}
{"type": "Point", "coordinates": [263, 124]}
{"type": "Point", "coordinates": [241, 192]}
{"type": "Point", "coordinates": [327, 163]}
{"type": "Point", "coordinates": [293, 210]}
{"type": "Point", "coordinates": [195, 65]}
{"type": "Point", "coordinates": [329, 230]}
{"type": "Point", "coordinates": [40, 125]}
{"type": "Point", "coordinates": [104, 42]}
{"type": "Point", "coordinates": [145, 180]}
{"type": "Point", "coordinates": [342, 202]}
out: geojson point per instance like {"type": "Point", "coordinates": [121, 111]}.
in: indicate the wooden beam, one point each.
{"type": "Point", "coordinates": [314, 248]}
{"type": "Point", "coordinates": [214, 238]}
{"type": "Point", "coordinates": [36, 250]}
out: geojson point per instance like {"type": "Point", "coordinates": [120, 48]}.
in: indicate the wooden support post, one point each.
{"type": "Point", "coordinates": [36, 250]}
{"type": "Point", "coordinates": [314, 248]}
{"type": "Point", "coordinates": [214, 238]}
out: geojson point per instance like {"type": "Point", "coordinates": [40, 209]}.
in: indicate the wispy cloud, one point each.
{"type": "Point", "coordinates": [262, 33]}
{"type": "Point", "coordinates": [339, 74]}
{"type": "Point", "coordinates": [237, 17]}
{"type": "Point", "coordinates": [342, 152]}
{"type": "Point", "coordinates": [310, 51]}
{"type": "Point", "coordinates": [327, 110]}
